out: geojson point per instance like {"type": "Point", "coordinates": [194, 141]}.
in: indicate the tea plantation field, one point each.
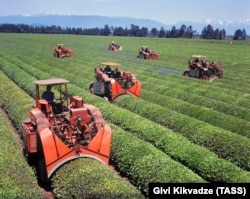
{"type": "Point", "coordinates": [180, 129]}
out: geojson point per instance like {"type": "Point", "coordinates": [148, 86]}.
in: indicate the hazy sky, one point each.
{"type": "Point", "coordinates": [165, 11]}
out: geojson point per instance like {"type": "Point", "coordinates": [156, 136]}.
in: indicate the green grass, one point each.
{"type": "Point", "coordinates": [221, 106]}
{"type": "Point", "coordinates": [18, 179]}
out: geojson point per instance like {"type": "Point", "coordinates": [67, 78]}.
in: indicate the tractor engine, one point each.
{"type": "Point", "coordinates": [77, 126]}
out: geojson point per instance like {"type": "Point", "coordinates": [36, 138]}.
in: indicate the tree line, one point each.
{"type": "Point", "coordinates": [208, 32]}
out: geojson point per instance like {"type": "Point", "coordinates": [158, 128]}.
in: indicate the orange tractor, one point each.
{"type": "Point", "coordinates": [64, 129]}
{"type": "Point", "coordinates": [199, 67]}
{"type": "Point", "coordinates": [114, 46]}
{"type": "Point", "coordinates": [113, 82]}
{"type": "Point", "coordinates": [146, 53]}
{"type": "Point", "coordinates": [62, 51]}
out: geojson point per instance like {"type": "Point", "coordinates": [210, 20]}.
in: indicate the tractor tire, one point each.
{"type": "Point", "coordinates": [56, 54]}
{"type": "Point", "coordinates": [42, 174]}
{"type": "Point", "coordinates": [186, 74]}
{"type": "Point", "coordinates": [91, 88]}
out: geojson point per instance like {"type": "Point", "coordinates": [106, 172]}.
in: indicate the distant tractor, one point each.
{"type": "Point", "coordinates": [62, 51]}
{"type": "Point", "coordinates": [146, 53]}
{"type": "Point", "coordinates": [200, 68]}
{"type": "Point", "coordinates": [114, 46]}
{"type": "Point", "coordinates": [64, 129]}
{"type": "Point", "coordinates": [111, 82]}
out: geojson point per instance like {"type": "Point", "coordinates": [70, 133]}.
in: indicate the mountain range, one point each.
{"type": "Point", "coordinates": [93, 21]}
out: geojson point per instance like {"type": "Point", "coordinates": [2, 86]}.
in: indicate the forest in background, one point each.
{"type": "Point", "coordinates": [184, 31]}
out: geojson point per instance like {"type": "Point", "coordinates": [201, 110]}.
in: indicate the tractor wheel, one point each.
{"type": "Point", "coordinates": [42, 171]}
{"type": "Point", "coordinates": [91, 88]}
{"type": "Point", "coordinates": [186, 74]}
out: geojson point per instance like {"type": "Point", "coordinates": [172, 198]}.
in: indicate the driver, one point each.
{"type": "Point", "coordinates": [48, 95]}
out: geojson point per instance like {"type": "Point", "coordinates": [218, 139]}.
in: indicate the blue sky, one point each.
{"type": "Point", "coordinates": [164, 11]}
